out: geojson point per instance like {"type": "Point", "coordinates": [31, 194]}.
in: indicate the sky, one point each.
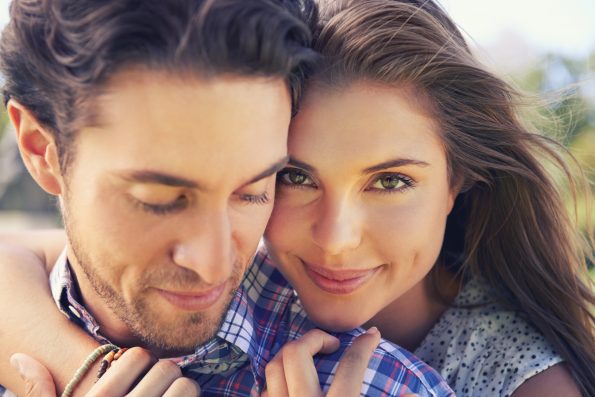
{"type": "Point", "coordinates": [562, 26]}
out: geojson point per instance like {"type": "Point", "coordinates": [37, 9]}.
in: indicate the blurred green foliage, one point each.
{"type": "Point", "coordinates": [566, 112]}
{"type": "Point", "coordinates": [3, 120]}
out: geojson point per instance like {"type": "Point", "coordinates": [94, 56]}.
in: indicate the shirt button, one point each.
{"type": "Point", "coordinates": [74, 311]}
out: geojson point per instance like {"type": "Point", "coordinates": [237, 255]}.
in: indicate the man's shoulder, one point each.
{"type": "Point", "coordinates": [392, 371]}
{"type": "Point", "coordinates": [259, 317]}
{"type": "Point", "coordinates": [265, 286]}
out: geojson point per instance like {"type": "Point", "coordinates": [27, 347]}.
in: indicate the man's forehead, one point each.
{"type": "Point", "coordinates": [138, 82]}
{"type": "Point", "coordinates": [161, 101]}
{"type": "Point", "coordinates": [189, 132]}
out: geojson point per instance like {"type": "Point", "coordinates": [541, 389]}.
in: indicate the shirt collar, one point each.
{"type": "Point", "coordinates": [263, 320]}
{"type": "Point", "coordinates": [65, 294]}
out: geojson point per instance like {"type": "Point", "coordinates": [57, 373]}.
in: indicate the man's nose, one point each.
{"type": "Point", "coordinates": [205, 246]}
{"type": "Point", "coordinates": [337, 227]}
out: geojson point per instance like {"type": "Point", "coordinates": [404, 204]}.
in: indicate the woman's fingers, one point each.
{"type": "Point", "coordinates": [291, 372]}
{"type": "Point", "coordinates": [163, 378]}
{"type": "Point", "coordinates": [300, 373]}
{"type": "Point", "coordinates": [123, 374]}
{"type": "Point", "coordinates": [275, 378]}
{"type": "Point", "coordinates": [352, 367]}
{"type": "Point", "coordinates": [38, 381]}
{"type": "Point", "coordinates": [159, 380]}
{"type": "Point", "coordinates": [138, 374]}
{"type": "Point", "coordinates": [183, 387]}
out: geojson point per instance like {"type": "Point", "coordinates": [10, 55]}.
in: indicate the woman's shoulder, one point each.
{"type": "Point", "coordinates": [481, 348]}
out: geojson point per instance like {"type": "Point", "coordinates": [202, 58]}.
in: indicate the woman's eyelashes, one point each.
{"type": "Point", "coordinates": [390, 182]}
{"type": "Point", "coordinates": [294, 177]}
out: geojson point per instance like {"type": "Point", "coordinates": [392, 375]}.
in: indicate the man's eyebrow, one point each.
{"type": "Point", "coordinates": [399, 162]}
{"type": "Point", "coordinates": [273, 169]}
{"type": "Point", "coordinates": [147, 176]}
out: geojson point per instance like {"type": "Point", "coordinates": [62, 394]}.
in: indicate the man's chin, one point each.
{"type": "Point", "coordinates": [179, 334]}
{"type": "Point", "coordinates": [178, 341]}
{"type": "Point", "coordinates": [171, 330]}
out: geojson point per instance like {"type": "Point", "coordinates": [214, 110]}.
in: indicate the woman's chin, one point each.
{"type": "Point", "coordinates": [336, 323]}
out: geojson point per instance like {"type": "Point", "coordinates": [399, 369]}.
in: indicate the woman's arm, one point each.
{"type": "Point", "coordinates": [31, 322]}
{"type": "Point", "coordinates": [555, 381]}
{"type": "Point", "coordinates": [46, 245]}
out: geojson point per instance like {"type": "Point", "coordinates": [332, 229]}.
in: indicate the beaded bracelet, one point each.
{"type": "Point", "coordinates": [85, 367]}
{"type": "Point", "coordinates": [107, 361]}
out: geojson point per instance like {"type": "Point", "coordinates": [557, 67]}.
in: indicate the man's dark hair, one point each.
{"type": "Point", "coordinates": [56, 54]}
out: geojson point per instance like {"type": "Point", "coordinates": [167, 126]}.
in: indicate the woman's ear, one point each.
{"type": "Point", "coordinates": [38, 148]}
{"type": "Point", "coordinates": [458, 186]}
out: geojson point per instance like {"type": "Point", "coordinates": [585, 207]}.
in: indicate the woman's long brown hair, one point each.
{"type": "Point", "coordinates": [515, 230]}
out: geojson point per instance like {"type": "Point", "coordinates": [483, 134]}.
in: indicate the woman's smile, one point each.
{"type": "Point", "coordinates": [338, 281]}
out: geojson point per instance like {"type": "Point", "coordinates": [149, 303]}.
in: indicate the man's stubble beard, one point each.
{"type": "Point", "coordinates": [189, 330]}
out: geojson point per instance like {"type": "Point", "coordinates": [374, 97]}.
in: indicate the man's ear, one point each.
{"type": "Point", "coordinates": [38, 148]}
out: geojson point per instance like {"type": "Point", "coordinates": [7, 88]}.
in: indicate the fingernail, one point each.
{"type": "Point", "coordinates": [16, 363]}
{"type": "Point", "coordinates": [372, 331]}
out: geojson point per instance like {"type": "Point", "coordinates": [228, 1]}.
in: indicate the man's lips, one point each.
{"type": "Point", "coordinates": [193, 301]}
{"type": "Point", "coordinates": [338, 281]}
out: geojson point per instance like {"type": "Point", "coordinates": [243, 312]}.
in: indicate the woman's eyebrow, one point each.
{"type": "Point", "coordinates": [305, 166]}
{"type": "Point", "coordinates": [398, 162]}
{"type": "Point", "coordinates": [270, 170]}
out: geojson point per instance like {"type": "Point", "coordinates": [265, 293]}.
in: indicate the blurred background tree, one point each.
{"type": "Point", "coordinates": [567, 87]}
{"type": "Point", "coordinates": [568, 112]}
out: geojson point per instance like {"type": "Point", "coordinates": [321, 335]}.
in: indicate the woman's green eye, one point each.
{"type": "Point", "coordinates": [390, 182]}
{"type": "Point", "coordinates": [297, 177]}
{"type": "Point", "coordinates": [294, 177]}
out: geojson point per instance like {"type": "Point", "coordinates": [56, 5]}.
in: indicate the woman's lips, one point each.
{"type": "Point", "coordinates": [338, 282]}
{"type": "Point", "coordinates": [193, 301]}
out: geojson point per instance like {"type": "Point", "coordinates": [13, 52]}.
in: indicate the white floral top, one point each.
{"type": "Point", "coordinates": [485, 350]}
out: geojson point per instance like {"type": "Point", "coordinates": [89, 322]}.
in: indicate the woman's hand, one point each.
{"type": "Point", "coordinates": [38, 381]}
{"type": "Point", "coordinates": [136, 373]}
{"type": "Point", "coordinates": [292, 373]}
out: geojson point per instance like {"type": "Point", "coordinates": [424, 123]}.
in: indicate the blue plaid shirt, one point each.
{"type": "Point", "coordinates": [265, 314]}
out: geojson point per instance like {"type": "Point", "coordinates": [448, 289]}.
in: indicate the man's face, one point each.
{"type": "Point", "coordinates": [167, 199]}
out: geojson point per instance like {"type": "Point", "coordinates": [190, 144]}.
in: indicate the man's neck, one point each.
{"type": "Point", "coordinates": [111, 327]}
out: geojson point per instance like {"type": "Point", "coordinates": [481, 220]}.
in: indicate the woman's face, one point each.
{"type": "Point", "coordinates": [361, 208]}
